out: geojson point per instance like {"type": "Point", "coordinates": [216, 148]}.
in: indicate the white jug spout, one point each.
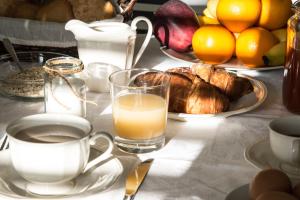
{"type": "Point", "coordinates": [78, 28]}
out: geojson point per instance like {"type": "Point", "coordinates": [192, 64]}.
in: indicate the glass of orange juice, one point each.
{"type": "Point", "coordinates": [140, 108]}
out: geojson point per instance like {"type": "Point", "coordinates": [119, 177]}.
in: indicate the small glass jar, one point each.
{"type": "Point", "coordinates": [65, 91]}
{"type": "Point", "coordinates": [291, 79]}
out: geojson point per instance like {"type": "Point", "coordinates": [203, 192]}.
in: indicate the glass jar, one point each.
{"type": "Point", "coordinates": [291, 79]}
{"type": "Point", "coordinates": [65, 91]}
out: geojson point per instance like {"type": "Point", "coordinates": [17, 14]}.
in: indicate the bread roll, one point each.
{"type": "Point", "coordinates": [109, 10]}
{"type": "Point", "coordinates": [56, 11]}
{"type": "Point", "coordinates": [39, 2]}
{"type": "Point", "coordinates": [25, 10]}
{"type": "Point", "coordinates": [6, 6]}
{"type": "Point", "coordinates": [92, 10]}
{"type": "Point", "coordinates": [270, 180]}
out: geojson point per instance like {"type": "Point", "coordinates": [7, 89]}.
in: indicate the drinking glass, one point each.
{"type": "Point", "coordinates": [65, 91]}
{"type": "Point", "coordinates": [139, 109]}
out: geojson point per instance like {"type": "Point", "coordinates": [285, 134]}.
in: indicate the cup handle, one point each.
{"type": "Point", "coordinates": [147, 39]}
{"type": "Point", "coordinates": [296, 151]}
{"type": "Point", "coordinates": [105, 154]}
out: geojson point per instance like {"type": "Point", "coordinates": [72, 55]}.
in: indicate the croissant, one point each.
{"type": "Point", "coordinates": [188, 93]}
{"type": "Point", "coordinates": [231, 85]}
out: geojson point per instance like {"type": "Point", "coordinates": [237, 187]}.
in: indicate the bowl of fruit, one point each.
{"type": "Point", "coordinates": [229, 33]}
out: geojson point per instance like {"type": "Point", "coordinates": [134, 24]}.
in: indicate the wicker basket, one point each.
{"type": "Point", "coordinates": [123, 7]}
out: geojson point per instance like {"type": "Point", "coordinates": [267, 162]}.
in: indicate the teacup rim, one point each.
{"type": "Point", "coordinates": [272, 130]}
{"type": "Point", "coordinates": [87, 134]}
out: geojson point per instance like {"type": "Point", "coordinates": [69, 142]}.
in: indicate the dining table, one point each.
{"type": "Point", "coordinates": [203, 159]}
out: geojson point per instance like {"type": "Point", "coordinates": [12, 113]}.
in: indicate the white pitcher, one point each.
{"type": "Point", "coordinates": [108, 42]}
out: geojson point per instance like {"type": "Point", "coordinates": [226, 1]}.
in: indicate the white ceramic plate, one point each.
{"type": "Point", "coordinates": [240, 193]}
{"type": "Point", "coordinates": [244, 104]}
{"type": "Point", "coordinates": [94, 181]}
{"type": "Point", "coordinates": [261, 156]}
{"type": "Point", "coordinates": [233, 64]}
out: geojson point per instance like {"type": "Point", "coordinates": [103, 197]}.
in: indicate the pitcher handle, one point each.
{"type": "Point", "coordinates": [148, 36]}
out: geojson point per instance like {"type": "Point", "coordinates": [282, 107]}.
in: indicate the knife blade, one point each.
{"type": "Point", "coordinates": [136, 177]}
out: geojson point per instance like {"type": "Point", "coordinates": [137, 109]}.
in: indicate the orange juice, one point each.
{"type": "Point", "coordinates": [139, 116]}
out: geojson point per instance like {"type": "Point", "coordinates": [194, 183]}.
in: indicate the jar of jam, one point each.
{"type": "Point", "coordinates": [291, 78]}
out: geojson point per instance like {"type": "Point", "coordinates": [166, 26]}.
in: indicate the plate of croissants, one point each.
{"type": "Point", "coordinates": [199, 91]}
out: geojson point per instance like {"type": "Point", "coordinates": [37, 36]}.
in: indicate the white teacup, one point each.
{"type": "Point", "coordinates": [53, 148]}
{"type": "Point", "coordinates": [285, 141]}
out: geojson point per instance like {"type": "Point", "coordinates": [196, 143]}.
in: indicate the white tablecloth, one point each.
{"type": "Point", "coordinates": [202, 160]}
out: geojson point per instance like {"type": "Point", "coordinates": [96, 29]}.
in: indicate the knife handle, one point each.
{"type": "Point", "coordinates": [128, 197]}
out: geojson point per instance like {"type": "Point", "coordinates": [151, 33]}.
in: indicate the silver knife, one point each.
{"type": "Point", "coordinates": [135, 178]}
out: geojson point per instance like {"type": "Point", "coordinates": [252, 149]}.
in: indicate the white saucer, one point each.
{"type": "Point", "coordinates": [261, 156]}
{"type": "Point", "coordinates": [95, 180]}
{"type": "Point", "coordinates": [240, 193]}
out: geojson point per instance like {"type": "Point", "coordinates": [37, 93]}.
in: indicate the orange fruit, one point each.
{"type": "Point", "coordinates": [238, 15]}
{"type": "Point", "coordinates": [274, 13]}
{"type": "Point", "coordinates": [252, 44]}
{"type": "Point", "coordinates": [213, 44]}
